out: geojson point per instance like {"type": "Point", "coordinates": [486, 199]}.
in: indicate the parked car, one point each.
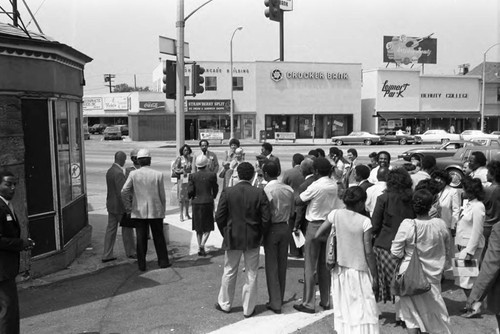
{"type": "Point", "coordinates": [436, 136]}
{"type": "Point", "coordinates": [453, 165]}
{"type": "Point", "coordinates": [476, 134]}
{"type": "Point", "coordinates": [397, 137]}
{"type": "Point", "coordinates": [487, 141]}
{"type": "Point", "coordinates": [97, 129]}
{"type": "Point", "coordinates": [86, 134]}
{"type": "Point", "coordinates": [447, 149]}
{"type": "Point", "coordinates": [112, 133]}
{"type": "Point", "coordinates": [357, 137]}
{"type": "Point", "coordinates": [496, 133]}
{"type": "Point", "coordinates": [123, 129]}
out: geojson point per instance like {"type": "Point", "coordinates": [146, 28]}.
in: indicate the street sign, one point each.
{"type": "Point", "coordinates": [286, 5]}
{"type": "Point", "coordinates": [167, 46]}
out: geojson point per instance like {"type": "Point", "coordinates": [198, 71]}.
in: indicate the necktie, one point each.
{"type": "Point", "coordinates": [11, 207]}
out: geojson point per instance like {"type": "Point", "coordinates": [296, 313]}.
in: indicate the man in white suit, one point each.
{"type": "Point", "coordinates": [144, 197]}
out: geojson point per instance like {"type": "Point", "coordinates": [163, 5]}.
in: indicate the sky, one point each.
{"type": "Point", "coordinates": [122, 35]}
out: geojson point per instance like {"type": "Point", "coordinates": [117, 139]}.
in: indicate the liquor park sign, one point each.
{"type": "Point", "coordinates": [277, 75]}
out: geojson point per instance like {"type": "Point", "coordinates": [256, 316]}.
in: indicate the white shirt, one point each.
{"type": "Point", "coordinates": [373, 174]}
{"type": "Point", "coordinates": [417, 177]}
{"type": "Point", "coordinates": [372, 194]}
{"type": "Point", "coordinates": [323, 198]}
{"type": "Point", "coordinates": [481, 173]}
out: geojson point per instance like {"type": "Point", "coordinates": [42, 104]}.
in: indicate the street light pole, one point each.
{"type": "Point", "coordinates": [179, 119]}
{"type": "Point", "coordinates": [231, 81]}
{"type": "Point", "coordinates": [484, 84]}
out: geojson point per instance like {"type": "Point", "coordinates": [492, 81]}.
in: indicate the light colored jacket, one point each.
{"type": "Point", "coordinates": [144, 194]}
{"type": "Point", "coordinates": [449, 203]}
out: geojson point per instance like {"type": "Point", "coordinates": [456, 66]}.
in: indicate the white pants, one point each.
{"type": "Point", "coordinates": [228, 282]}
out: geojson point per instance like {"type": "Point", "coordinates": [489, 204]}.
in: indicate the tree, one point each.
{"type": "Point", "coordinates": [123, 87]}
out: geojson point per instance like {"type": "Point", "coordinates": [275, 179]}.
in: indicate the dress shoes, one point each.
{"type": "Point", "coordinates": [218, 308]}
{"type": "Point", "coordinates": [324, 307]}
{"type": "Point", "coordinates": [302, 308]}
{"type": "Point", "coordinates": [268, 306]}
{"type": "Point", "coordinates": [108, 260]}
{"type": "Point", "coordinates": [168, 265]}
{"type": "Point", "coordinates": [250, 315]}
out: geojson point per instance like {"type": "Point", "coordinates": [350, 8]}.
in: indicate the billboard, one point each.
{"type": "Point", "coordinates": [410, 50]}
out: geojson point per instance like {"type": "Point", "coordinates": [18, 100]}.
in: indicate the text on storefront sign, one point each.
{"type": "Point", "coordinates": [394, 90]}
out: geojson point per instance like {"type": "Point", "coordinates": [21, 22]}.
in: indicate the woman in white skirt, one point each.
{"type": "Point", "coordinates": [425, 312]}
{"type": "Point", "coordinates": [354, 277]}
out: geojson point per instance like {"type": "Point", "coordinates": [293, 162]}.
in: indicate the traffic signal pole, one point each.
{"type": "Point", "coordinates": [282, 37]}
{"type": "Point", "coordinates": [179, 116]}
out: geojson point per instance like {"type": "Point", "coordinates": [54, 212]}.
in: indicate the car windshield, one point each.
{"type": "Point", "coordinates": [112, 129]}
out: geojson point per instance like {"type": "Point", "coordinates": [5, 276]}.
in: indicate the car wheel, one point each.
{"type": "Point", "coordinates": [402, 141]}
{"type": "Point", "coordinates": [445, 140]}
{"type": "Point", "coordinates": [368, 142]}
{"type": "Point", "coordinates": [339, 142]}
{"type": "Point", "coordinates": [456, 176]}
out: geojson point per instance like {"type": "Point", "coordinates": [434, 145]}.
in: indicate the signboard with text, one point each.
{"type": "Point", "coordinates": [92, 103]}
{"type": "Point", "coordinates": [151, 106]}
{"type": "Point", "coordinates": [116, 103]}
{"type": "Point", "coordinates": [220, 106]}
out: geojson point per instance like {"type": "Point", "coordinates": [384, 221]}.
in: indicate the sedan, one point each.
{"type": "Point", "coordinates": [357, 137]}
{"type": "Point", "coordinates": [398, 137]}
{"type": "Point", "coordinates": [436, 136]}
{"type": "Point", "coordinates": [112, 132]}
{"type": "Point", "coordinates": [447, 149]}
{"type": "Point", "coordinates": [454, 164]}
{"type": "Point", "coordinates": [97, 129]}
{"type": "Point", "coordinates": [477, 134]}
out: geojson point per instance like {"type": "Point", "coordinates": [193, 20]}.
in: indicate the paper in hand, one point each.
{"type": "Point", "coordinates": [299, 239]}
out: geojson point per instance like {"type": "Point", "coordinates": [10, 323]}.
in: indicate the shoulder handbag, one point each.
{"type": "Point", "coordinates": [413, 281]}
{"type": "Point", "coordinates": [331, 246]}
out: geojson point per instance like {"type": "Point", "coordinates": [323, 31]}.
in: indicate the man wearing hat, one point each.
{"type": "Point", "coordinates": [135, 163]}
{"type": "Point", "coordinates": [202, 190]}
{"type": "Point", "coordinates": [144, 197]}
{"type": "Point", "coordinates": [243, 217]}
{"type": "Point", "coordinates": [213, 162]}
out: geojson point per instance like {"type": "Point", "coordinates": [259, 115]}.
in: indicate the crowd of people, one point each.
{"type": "Point", "coordinates": [378, 214]}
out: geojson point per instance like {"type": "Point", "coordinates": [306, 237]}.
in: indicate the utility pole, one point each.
{"type": "Point", "coordinates": [109, 79]}
{"type": "Point", "coordinates": [179, 119]}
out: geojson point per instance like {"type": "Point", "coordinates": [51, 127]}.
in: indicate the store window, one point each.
{"type": "Point", "coordinates": [498, 94]}
{"type": "Point", "coordinates": [69, 143]}
{"type": "Point", "coordinates": [210, 83]}
{"type": "Point", "coordinates": [237, 83]}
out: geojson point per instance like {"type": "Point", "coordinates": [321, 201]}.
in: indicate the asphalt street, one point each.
{"type": "Point", "coordinates": [92, 297]}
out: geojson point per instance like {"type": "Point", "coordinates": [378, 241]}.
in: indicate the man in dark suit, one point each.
{"type": "Point", "coordinates": [293, 177]}
{"type": "Point", "coordinates": [361, 175]}
{"type": "Point", "coordinates": [243, 216]}
{"type": "Point", "coordinates": [266, 151]}
{"type": "Point", "coordinates": [11, 245]}
{"type": "Point", "coordinates": [115, 179]}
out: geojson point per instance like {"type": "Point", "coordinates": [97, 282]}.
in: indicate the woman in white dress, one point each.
{"type": "Point", "coordinates": [425, 312]}
{"type": "Point", "coordinates": [354, 277]}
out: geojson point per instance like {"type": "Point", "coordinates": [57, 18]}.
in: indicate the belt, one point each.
{"type": "Point", "coordinates": [316, 221]}
{"type": "Point", "coordinates": [276, 223]}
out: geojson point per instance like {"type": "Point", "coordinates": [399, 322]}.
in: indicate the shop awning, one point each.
{"type": "Point", "coordinates": [423, 114]}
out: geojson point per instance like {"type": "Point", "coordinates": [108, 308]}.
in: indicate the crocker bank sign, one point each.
{"type": "Point", "coordinates": [278, 75]}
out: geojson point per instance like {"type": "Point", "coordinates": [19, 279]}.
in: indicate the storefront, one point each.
{"type": "Point", "coordinates": [405, 99]}
{"type": "Point", "coordinates": [41, 141]}
{"type": "Point", "coordinates": [310, 99]}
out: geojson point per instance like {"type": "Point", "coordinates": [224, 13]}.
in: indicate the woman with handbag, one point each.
{"type": "Point", "coordinates": [225, 173]}
{"type": "Point", "coordinates": [353, 270]}
{"type": "Point", "coordinates": [426, 240]}
{"type": "Point", "coordinates": [183, 166]}
{"type": "Point", "coordinates": [391, 208]}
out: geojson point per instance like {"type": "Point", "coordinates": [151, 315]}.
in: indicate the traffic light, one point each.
{"type": "Point", "coordinates": [169, 79]}
{"type": "Point", "coordinates": [273, 12]}
{"type": "Point", "coordinates": [197, 80]}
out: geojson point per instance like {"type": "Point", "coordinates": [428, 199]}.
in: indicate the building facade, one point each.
{"type": "Point", "coordinates": [310, 99]}
{"type": "Point", "coordinates": [491, 94]}
{"type": "Point", "coordinates": [404, 98]}
{"type": "Point", "coordinates": [41, 142]}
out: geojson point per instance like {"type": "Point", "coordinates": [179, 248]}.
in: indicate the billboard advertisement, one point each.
{"type": "Point", "coordinates": [410, 50]}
